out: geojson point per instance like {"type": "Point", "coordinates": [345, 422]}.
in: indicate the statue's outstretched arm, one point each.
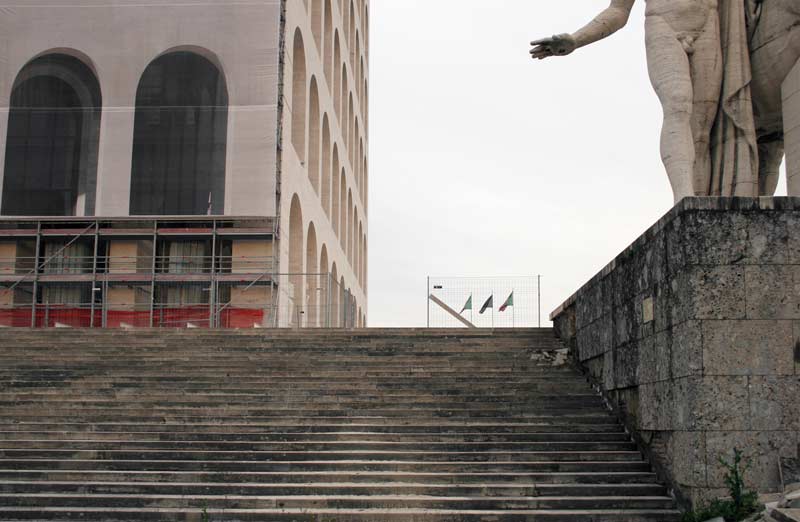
{"type": "Point", "coordinates": [611, 20]}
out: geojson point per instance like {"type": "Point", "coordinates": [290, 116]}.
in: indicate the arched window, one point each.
{"type": "Point", "coordinates": [365, 193]}
{"type": "Point", "coordinates": [299, 96]}
{"type": "Point", "coordinates": [296, 249]}
{"type": "Point", "coordinates": [366, 106]}
{"type": "Point", "coordinates": [52, 141]}
{"type": "Point", "coordinates": [349, 128]}
{"type": "Point", "coordinates": [313, 136]}
{"type": "Point", "coordinates": [335, 185]}
{"type": "Point", "coordinates": [343, 112]}
{"type": "Point", "coordinates": [316, 23]}
{"type": "Point", "coordinates": [366, 265]}
{"type": "Point", "coordinates": [352, 36]}
{"type": "Point", "coordinates": [354, 244]}
{"type": "Point", "coordinates": [180, 138]}
{"type": "Point", "coordinates": [366, 31]}
{"type": "Point", "coordinates": [357, 67]}
{"type": "Point", "coordinates": [361, 254]}
{"type": "Point", "coordinates": [324, 302]}
{"type": "Point", "coordinates": [334, 296]}
{"type": "Point", "coordinates": [343, 215]}
{"type": "Point", "coordinates": [325, 193]}
{"type": "Point", "coordinates": [312, 286]}
{"type": "Point", "coordinates": [337, 81]}
{"type": "Point", "coordinates": [361, 75]}
{"type": "Point", "coordinates": [328, 37]}
{"type": "Point", "coordinates": [349, 243]}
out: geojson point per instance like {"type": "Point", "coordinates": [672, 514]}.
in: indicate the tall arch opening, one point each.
{"type": "Point", "coordinates": [53, 137]}
{"type": "Point", "coordinates": [312, 285]}
{"type": "Point", "coordinates": [343, 208]}
{"type": "Point", "coordinates": [328, 38]}
{"type": "Point", "coordinates": [345, 90]}
{"type": "Point", "coordinates": [324, 288]}
{"type": "Point", "coordinates": [352, 34]}
{"type": "Point", "coordinates": [296, 249]}
{"type": "Point", "coordinates": [350, 128]}
{"type": "Point", "coordinates": [348, 245]}
{"type": "Point", "coordinates": [316, 23]}
{"type": "Point", "coordinates": [325, 193]}
{"type": "Point", "coordinates": [299, 96]}
{"type": "Point", "coordinates": [336, 218]}
{"type": "Point", "coordinates": [180, 137]}
{"type": "Point", "coordinates": [335, 294]}
{"type": "Point", "coordinates": [313, 136]}
{"type": "Point", "coordinates": [337, 80]}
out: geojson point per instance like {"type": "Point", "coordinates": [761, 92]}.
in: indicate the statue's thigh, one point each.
{"type": "Point", "coordinates": [668, 65]}
{"type": "Point", "coordinates": [776, 50]}
{"type": "Point", "coordinates": [707, 67]}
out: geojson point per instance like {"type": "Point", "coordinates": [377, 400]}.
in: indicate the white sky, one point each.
{"type": "Point", "coordinates": [484, 162]}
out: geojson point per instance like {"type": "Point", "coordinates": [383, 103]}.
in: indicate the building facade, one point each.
{"type": "Point", "coordinates": [177, 163]}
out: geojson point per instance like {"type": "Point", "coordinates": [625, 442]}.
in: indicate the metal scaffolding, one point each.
{"type": "Point", "coordinates": [172, 272]}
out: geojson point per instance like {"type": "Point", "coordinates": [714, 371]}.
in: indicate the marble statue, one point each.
{"type": "Point", "coordinates": [699, 60]}
{"type": "Point", "coordinates": [774, 32]}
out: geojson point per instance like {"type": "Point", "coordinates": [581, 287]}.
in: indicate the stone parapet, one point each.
{"type": "Point", "coordinates": [693, 334]}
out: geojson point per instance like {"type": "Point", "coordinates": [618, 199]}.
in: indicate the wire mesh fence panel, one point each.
{"type": "Point", "coordinates": [484, 302]}
{"type": "Point", "coordinates": [228, 301]}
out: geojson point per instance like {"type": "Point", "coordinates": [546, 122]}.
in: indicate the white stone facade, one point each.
{"type": "Point", "coordinates": [315, 179]}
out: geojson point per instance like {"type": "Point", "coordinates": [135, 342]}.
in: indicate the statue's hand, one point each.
{"type": "Point", "coordinates": [558, 45]}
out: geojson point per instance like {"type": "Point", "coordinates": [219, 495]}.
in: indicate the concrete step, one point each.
{"type": "Point", "coordinates": [387, 425]}
{"type": "Point", "coordinates": [341, 489]}
{"type": "Point", "coordinates": [481, 502]}
{"type": "Point", "coordinates": [349, 425]}
{"type": "Point", "coordinates": [166, 478]}
{"type": "Point", "coordinates": [339, 515]}
{"type": "Point", "coordinates": [414, 466]}
{"type": "Point", "coordinates": [366, 437]}
{"type": "Point", "coordinates": [315, 446]}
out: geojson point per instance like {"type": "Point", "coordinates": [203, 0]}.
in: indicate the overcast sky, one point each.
{"type": "Point", "coordinates": [484, 162]}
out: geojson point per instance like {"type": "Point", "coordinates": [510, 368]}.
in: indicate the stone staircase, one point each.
{"type": "Point", "coordinates": [373, 425]}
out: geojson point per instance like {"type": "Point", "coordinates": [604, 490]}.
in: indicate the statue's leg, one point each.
{"type": "Point", "coordinates": [770, 157]}
{"type": "Point", "coordinates": [670, 75]}
{"type": "Point", "coordinates": [707, 70]}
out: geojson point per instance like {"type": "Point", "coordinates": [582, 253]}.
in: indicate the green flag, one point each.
{"type": "Point", "coordinates": [467, 305]}
{"type": "Point", "coordinates": [509, 302]}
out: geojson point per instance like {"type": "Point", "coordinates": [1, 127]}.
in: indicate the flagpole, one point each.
{"type": "Point", "coordinates": [492, 309]}
{"type": "Point", "coordinates": [513, 313]}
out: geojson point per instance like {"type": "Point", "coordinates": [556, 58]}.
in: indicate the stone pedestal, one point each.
{"type": "Point", "coordinates": [791, 125]}
{"type": "Point", "coordinates": [693, 334]}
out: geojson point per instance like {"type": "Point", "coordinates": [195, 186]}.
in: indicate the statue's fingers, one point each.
{"type": "Point", "coordinates": [543, 41]}
{"type": "Point", "coordinates": [541, 51]}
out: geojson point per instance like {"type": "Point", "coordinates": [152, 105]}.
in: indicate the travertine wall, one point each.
{"type": "Point", "coordinates": [325, 222]}
{"type": "Point", "coordinates": [693, 333]}
{"type": "Point", "coordinates": [117, 39]}
{"type": "Point", "coordinates": [791, 125]}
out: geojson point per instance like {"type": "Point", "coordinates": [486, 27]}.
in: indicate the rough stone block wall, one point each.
{"type": "Point", "coordinates": [693, 334]}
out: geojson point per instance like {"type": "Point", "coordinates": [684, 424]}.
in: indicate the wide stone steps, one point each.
{"type": "Point", "coordinates": [378, 425]}
{"type": "Point", "coordinates": [342, 437]}
{"type": "Point", "coordinates": [309, 479]}
{"type": "Point", "coordinates": [336, 515]}
{"type": "Point", "coordinates": [481, 502]}
{"type": "Point", "coordinates": [342, 488]}
{"type": "Point", "coordinates": [395, 465]}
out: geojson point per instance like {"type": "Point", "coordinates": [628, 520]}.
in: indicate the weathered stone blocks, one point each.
{"type": "Point", "coordinates": [747, 348]}
{"type": "Point", "coordinates": [694, 334]}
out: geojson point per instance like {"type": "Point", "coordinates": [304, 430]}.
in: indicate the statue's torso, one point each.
{"type": "Point", "coordinates": [686, 17]}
